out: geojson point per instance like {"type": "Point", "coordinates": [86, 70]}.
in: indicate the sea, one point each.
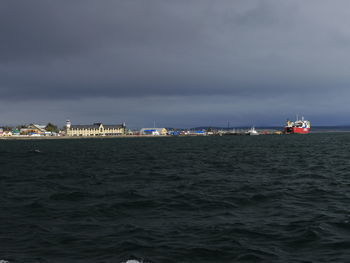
{"type": "Point", "coordinates": [267, 198]}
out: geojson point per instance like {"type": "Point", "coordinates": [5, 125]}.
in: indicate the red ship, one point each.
{"type": "Point", "coordinates": [299, 126]}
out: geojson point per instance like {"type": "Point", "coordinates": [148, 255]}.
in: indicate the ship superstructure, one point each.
{"type": "Point", "coordinates": [299, 126]}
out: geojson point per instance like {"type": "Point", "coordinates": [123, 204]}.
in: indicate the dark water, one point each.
{"type": "Point", "coordinates": [210, 199]}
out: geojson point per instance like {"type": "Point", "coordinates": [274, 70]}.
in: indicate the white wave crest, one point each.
{"type": "Point", "coordinates": [4, 261]}
{"type": "Point", "coordinates": [131, 261]}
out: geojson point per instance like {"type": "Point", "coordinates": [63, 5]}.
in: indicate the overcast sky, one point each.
{"type": "Point", "coordinates": [180, 63]}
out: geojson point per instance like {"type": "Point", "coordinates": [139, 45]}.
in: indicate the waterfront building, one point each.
{"type": "Point", "coordinates": [7, 134]}
{"type": "Point", "coordinates": [198, 132]}
{"type": "Point", "coordinates": [96, 129]}
{"type": "Point", "coordinates": [153, 131]}
{"type": "Point", "coordinates": [15, 132]}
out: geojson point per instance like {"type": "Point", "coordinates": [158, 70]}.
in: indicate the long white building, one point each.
{"type": "Point", "coordinates": [96, 129]}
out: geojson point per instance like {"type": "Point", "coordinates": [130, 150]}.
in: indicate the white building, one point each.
{"type": "Point", "coordinates": [96, 129]}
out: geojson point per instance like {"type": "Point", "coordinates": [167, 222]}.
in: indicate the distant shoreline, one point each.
{"type": "Point", "coordinates": [136, 136]}
{"type": "Point", "coordinates": [80, 137]}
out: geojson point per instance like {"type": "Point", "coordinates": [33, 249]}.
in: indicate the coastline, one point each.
{"type": "Point", "coordinates": [132, 136]}
{"type": "Point", "coordinates": [79, 137]}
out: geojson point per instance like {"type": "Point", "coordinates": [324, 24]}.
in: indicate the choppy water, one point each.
{"type": "Point", "coordinates": [202, 199]}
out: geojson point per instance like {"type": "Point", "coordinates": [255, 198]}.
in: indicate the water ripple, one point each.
{"type": "Point", "coordinates": [209, 199]}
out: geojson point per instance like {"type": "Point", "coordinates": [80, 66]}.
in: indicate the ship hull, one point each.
{"type": "Point", "coordinates": [296, 130]}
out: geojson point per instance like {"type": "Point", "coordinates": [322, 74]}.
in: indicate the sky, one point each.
{"type": "Point", "coordinates": [181, 63]}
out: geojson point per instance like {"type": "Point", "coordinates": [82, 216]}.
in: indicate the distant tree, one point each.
{"type": "Point", "coordinates": [7, 128]}
{"type": "Point", "coordinates": [21, 126]}
{"type": "Point", "coordinates": [51, 127]}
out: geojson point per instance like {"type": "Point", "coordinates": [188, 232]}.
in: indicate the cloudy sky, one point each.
{"type": "Point", "coordinates": [180, 63]}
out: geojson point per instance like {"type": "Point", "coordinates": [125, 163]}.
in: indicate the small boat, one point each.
{"type": "Point", "coordinates": [252, 131]}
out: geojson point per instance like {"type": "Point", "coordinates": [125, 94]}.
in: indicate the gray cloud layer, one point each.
{"type": "Point", "coordinates": [295, 53]}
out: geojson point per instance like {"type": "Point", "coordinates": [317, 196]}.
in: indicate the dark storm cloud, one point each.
{"type": "Point", "coordinates": [126, 48]}
{"type": "Point", "coordinates": [242, 50]}
{"type": "Point", "coordinates": [37, 30]}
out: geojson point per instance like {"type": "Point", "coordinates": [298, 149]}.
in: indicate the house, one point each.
{"type": "Point", "coordinates": [14, 132]}
{"type": "Point", "coordinates": [7, 134]}
{"type": "Point", "coordinates": [96, 129]}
